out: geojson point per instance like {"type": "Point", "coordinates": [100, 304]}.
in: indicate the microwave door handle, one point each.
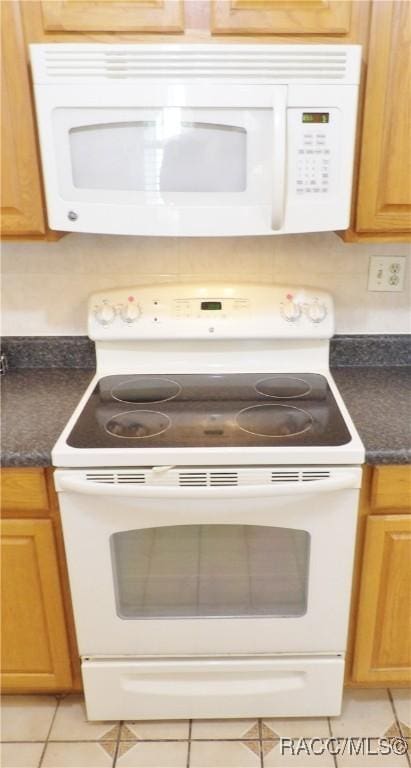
{"type": "Point", "coordinates": [279, 159]}
{"type": "Point", "coordinates": [76, 484]}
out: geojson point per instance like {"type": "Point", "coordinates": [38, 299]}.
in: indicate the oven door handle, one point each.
{"type": "Point", "coordinates": [347, 479]}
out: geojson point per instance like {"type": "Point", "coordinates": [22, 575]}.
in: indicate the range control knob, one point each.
{"type": "Point", "coordinates": [104, 313]}
{"type": "Point", "coordinates": [130, 312]}
{"type": "Point", "coordinates": [290, 311]}
{"type": "Point", "coordinates": [316, 311]}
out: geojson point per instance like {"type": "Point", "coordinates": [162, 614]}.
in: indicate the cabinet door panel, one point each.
{"type": "Point", "coordinates": [383, 638]}
{"type": "Point", "coordinates": [24, 490]}
{"type": "Point", "coordinates": [384, 191]}
{"type": "Point", "coordinates": [22, 205]}
{"type": "Point", "coordinates": [391, 488]}
{"type": "Point", "coordinates": [34, 653]}
{"type": "Point", "coordinates": [299, 17]}
{"type": "Point", "coordinates": [112, 15]}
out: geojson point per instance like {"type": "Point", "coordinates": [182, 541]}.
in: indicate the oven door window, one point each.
{"type": "Point", "coordinates": [194, 571]}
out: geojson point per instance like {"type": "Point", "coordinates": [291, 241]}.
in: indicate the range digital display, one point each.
{"type": "Point", "coordinates": [316, 117]}
{"type": "Point", "coordinates": [211, 305]}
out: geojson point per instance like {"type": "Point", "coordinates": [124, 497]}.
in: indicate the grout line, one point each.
{"type": "Point", "coordinates": [190, 727]}
{"type": "Point", "coordinates": [260, 738]}
{"type": "Point", "coordinates": [117, 747]}
{"type": "Point", "coordinates": [58, 700]}
{"type": "Point", "coordinates": [397, 720]}
{"type": "Point", "coordinates": [331, 734]}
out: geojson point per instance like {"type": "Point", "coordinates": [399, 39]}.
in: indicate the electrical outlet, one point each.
{"type": "Point", "coordinates": [386, 273]}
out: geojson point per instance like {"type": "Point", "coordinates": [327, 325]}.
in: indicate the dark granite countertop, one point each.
{"type": "Point", "coordinates": [37, 402]}
{"type": "Point", "coordinates": [379, 403]}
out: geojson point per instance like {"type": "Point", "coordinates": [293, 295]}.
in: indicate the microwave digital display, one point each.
{"type": "Point", "coordinates": [211, 305]}
{"type": "Point", "coordinates": [316, 117]}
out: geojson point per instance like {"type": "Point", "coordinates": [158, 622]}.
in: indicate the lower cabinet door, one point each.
{"type": "Point", "coordinates": [383, 639]}
{"type": "Point", "coordinates": [34, 655]}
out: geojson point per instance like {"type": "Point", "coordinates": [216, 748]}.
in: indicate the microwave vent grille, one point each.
{"type": "Point", "coordinates": [282, 63]}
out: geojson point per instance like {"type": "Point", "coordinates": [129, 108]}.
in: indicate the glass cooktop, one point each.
{"type": "Point", "coordinates": [210, 410]}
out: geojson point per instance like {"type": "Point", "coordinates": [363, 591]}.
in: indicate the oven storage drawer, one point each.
{"type": "Point", "coordinates": [292, 686]}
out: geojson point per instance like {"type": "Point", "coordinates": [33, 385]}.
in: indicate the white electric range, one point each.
{"type": "Point", "coordinates": [208, 485]}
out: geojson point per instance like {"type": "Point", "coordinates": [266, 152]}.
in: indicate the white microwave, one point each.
{"type": "Point", "coordinates": [197, 140]}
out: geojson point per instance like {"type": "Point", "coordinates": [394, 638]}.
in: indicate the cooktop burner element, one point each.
{"type": "Point", "coordinates": [146, 389]}
{"type": "Point", "coordinates": [274, 420]}
{"type": "Point", "coordinates": [210, 410]}
{"type": "Point", "coordinates": [283, 387]}
{"type": "Point", "coordinates": [138, 424]}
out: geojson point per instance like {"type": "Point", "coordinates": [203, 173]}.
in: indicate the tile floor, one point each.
{"type": "Point", "coordinates": [50, 732]}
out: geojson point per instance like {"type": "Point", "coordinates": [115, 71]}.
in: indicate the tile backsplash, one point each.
{"type": "Point", "coordinates": [45, 285]}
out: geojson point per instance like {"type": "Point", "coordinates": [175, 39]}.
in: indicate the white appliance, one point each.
{"type": "Point", "coordinates": [238, 139]}
{"type": "Point", "coordinates": [208, 484]}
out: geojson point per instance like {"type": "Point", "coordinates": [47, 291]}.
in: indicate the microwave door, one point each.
{"type": "Point", "coordinates": [207, 163]}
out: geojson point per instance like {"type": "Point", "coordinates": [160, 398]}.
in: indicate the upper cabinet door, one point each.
{"type": "Point", "coordinates": [105, 16]}
{"type": "Point", "coordinates": [282, 17]}
{"type": "Point", "coordinates": [22, 205]}
{"type": "Point", "coordinates": [384, 192]}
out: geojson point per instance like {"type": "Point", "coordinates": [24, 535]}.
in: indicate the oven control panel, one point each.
{"type": "Point", "coordinates": [229, 310]}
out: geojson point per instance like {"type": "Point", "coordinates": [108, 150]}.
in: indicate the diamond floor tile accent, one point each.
{"type": "Point", "coordinates": [126, 734]}
{"type": "Point", "coordinates": [109, 747]}
{"type": "Point", "coordinates": [405, 730]}
{"type": "Point", "coordinates": [392, 731]}
{"type": "Point", "coordinates": [268, 733]}
{"type": "Point", "coordinates": [253, 739]}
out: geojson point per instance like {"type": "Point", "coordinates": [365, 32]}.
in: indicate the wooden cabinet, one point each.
{"type": "Point", "coordinates": [383, 640]}
{"type": "Point", "coordinates": [56, 20]}
{"type": "Point", "coordinates": [38, 649]}
{"type": "Point", "coordinates": [21, 193]}
{"type": "Point", "coordinates": [284, 17]}
{"type": "Point", "coordinates": [34, 643]}
{"type": "Point", "coordinates": [382, 619]}
{"type": "Point", "coordinates": [384, 181]}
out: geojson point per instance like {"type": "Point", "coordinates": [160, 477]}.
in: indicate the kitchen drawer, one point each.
{"type": "Point", "coordinates": [147, 689]}
{"type": "Point", "coordinates": [24, 490]}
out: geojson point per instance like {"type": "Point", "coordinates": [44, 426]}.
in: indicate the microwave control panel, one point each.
{"type": "Point", "coordinates": [313, 151]}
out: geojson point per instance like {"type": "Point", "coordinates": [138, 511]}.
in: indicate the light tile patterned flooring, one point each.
{"type": "Point", "coordinates": [50, 732]}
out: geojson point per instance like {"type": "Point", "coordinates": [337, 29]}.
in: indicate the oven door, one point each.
{"type": "Point", "coordinates": [164, 159]}
{"type": "Point", "coordinates": [259, 568]}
